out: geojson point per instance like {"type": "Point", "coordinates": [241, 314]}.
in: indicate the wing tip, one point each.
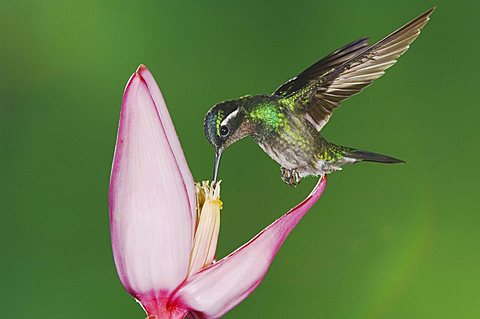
{"type": "Point", "coordinates": [427, 14]}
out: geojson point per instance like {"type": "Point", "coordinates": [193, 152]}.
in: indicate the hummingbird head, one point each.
{"type": "Point", "coordinates": [224, 125]}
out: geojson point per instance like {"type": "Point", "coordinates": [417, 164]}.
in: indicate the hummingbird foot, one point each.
{"type": "Point", "coordinates": [290, 176]}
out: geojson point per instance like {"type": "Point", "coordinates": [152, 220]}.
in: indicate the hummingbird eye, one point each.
{"type": "Point", "coordinates": [224, 130]}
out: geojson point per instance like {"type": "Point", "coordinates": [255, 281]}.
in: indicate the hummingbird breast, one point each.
{"type": "Point", "coordinates": [293, 144]}
{"type": "Point", "coordinates": [290, 140]}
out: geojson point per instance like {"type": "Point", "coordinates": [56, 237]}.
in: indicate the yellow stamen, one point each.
{"type": "Point", "coordinates": [217, 202]}
{"type": "Point", "coordinates": [208, 226]}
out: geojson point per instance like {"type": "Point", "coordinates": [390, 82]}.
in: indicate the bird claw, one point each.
{"type": "Point", "coordinates": [290, 176]}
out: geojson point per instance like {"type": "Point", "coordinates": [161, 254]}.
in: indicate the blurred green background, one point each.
{"type": "Point", "coordinates": [383, 242]}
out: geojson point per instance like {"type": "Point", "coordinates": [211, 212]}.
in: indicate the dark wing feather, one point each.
{"type": "Point", "coordinates": [320, 96]}
{"type": "Point", "coordinates": [322, 66]}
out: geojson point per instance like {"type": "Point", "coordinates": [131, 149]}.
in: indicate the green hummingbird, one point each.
{"type": "Point", "coordinates": [286, 124]}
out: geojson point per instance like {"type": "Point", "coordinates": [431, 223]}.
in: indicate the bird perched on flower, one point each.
{"type": "Point", "coordinates": [286, 124]}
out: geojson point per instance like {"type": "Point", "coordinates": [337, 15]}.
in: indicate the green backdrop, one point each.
{"type": "Point", "coordinates": [383, 242]}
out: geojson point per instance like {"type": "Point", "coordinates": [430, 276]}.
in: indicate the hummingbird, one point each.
{"type": "Point", "coordinates": [287, 123]}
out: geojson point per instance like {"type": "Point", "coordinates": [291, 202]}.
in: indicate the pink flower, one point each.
{"type": "Point", "coordinates": [164, 227]}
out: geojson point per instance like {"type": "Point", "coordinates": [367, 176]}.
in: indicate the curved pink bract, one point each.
{"type": "Point", "coordinates": [215, 290]}
{"type": "Point", "coordinates": [151, 217]}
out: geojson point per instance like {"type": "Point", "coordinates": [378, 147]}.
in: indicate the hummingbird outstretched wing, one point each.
{"type": "Point", "coordinates": [319, 89]}
{"type": "Point", "coordinates": [331, 61]}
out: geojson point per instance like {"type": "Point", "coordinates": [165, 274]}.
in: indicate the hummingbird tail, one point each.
{"type": "Point", "coordinates": [372, 157]}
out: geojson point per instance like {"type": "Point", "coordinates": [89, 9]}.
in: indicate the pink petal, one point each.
{"type": "Point", "coordinates": [169, 130]}
{"type": "Point", "coordinates": [217, 289]}
{"type": "Point", "coordinates": [150, 205]}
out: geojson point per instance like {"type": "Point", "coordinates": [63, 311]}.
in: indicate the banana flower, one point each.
{"type": "Point", "coordinates": [164, 227]}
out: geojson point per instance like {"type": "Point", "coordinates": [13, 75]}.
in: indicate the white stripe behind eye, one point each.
{"type": "Point", "coordinates": [229, 117]}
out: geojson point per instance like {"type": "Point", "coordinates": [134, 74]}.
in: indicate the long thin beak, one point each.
{"type": "Point", "coordinates": [218, 155]}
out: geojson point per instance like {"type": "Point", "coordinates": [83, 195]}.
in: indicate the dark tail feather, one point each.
{"type": "Point", "coordinates": [372, 157]}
